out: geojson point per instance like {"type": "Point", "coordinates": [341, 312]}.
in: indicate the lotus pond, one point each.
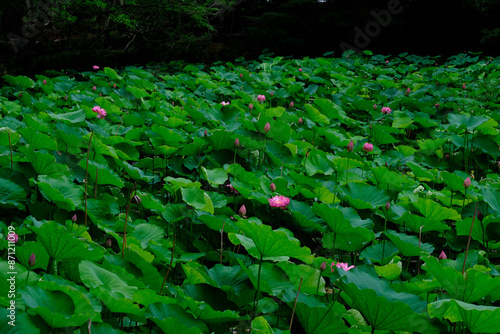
{"type": "Point", "coordinates": [358, 194]}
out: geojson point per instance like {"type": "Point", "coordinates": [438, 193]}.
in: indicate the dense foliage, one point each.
{"type": "Point", "coordinates": [328, 195]}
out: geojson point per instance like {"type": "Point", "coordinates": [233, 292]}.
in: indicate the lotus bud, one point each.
{"type": "Point", "coordinates": [250, 106]}
{"type": "Point", "coordinates": [408, 90]}
{"type": "Point", "coordinates": [436, 105]}
{"type": "Point", "coordinates": [237, 142]}
{"type": "Point", "coordinates": [205, 133]}
{"type": "Point", "coordinates": [74, 218]}
{"type": "Point", "coordinates": [442, 255]}
{"type": "Point", "coordinates": [467, 183]}
{"type": "Point", "coordinates": [480, 215]}
{"type": "Point", "coordinates": [300, 70]}
{"type": "Point", "coordinates": [272, 187]}
{"type": "Point", "coordinates": [243, 211]}
{"type": "Point", "coordinates": [267, 127]}
{"type": "Point", "coordinates": [114, 86]}
{"type": "Point", "coordinates": [323, 266]}
{"type": "Point", "coordinates": [387, 62]}
{"type": "Point", "coordinates": [374, 106]}
{"type": "Point", "coordinates": [32, 260]}
{"type": "Point", "coordinates": [20, 95]}
{"type": "Point", "coordinates": [300, 120]}
{"type": "Point", "coordinates": [136, 199]}
{"type": "Point", "coordinates": [13, 237]}
{"type": "Point", "coordinates": [65, 97]}
{"type": "Point", "coordinates": [291, 104]}
{"type": "Point", "coordinates": [241, 75]}
{"type": "Point", "coordinates": [464, 86]}
{"type": "Point", "coordinates": [387, 206]}
{"type": "Point", "coordinates": [272, 93]}
{"type": "Point", "coordinates": [350, 146]}
{"type": "Point", "coordinates": [367, 147]}
{"type": "Point", "coordinates": [108, 243]}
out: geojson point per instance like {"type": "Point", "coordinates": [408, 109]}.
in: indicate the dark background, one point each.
{"type": "Point", "coordinates": [81, 33]}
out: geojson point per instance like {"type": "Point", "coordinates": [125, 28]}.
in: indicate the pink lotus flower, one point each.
{"type": "Point", "coordinates": [300, 70]}
{"type": "Point", "coordinates": [408, 90]}
{"type": "Point", "coordinates": [436, 105]}
{"type": "Point", "coordinates": [241, 75]}
{"type": "Point", "coordinates": [386, 110]}
{"type": "Point", "coordinates": [267, 127]}
{"type": "Point", "coordinates": [300, 120]}
{"type": "Point", "coordinates": [341, 265]}
{"type": "Point", "coordinates": [261, 98]}
{"type": "Point", "coordinates": [467, 183]}
{"type": "Point", "coordinates": [243, 211]}
{"type": "Point", "coordinates": [95, 67]}
{"type": "Point", "coordinates": [250, 106]}
{"type": "Point", "coordinates": [44, 81]}
{"type": "Point", "coordinates": [236, 142]}
{"type": "Point", "coordinates": [291, 104]}
{"type": "Point", "coordinates": [464, 86]}
{"type": "Point", "coordinates": [367, 147]}
{"type": "Point", "coordinates": [13, 237]}
{"type": "Point", "coordinates": [279, 202]}
{"type": "Point", "coordinates": [101, 113]}
{"type": "Point", "coordinates": [225, 103]}
{"type": "Point", "coordinates": [350, 146]}
{"type": "Point", "coordinates": [272, 187]}
{"type": "Point", "coordinates": [114, 86]}
{"type": "Point", "coordinates": [74, 218]}
{"type": "Point", "coordinates": [375, 107]}
{"type": "Point", "coordinates": [231, 189]}
{"type": "Point", "coordinates": [442, 255]}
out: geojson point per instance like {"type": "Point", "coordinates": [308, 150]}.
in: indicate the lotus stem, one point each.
{"type": "Point", "coordinates": [463, 203]}
{"type": "Point", "coordinates": [87, 175]}
{"type": "Point", "coordinates": [383, 242]}
{"type": "Point", "coordinates": [95, 186]}
{"type": "Point", "coordinates": [468, 241]}
{"type": "Point", "coordinates": [169, 266]}
{"type": "Point", "coordinates": [258, 287]}
{"type": "Point", "coordinates": [419, 241]}
{"type": "Point", "coordinates": [126, 220]}
{"type": "Point", "coordinates": [222, 240]}
{"type": "Point", "coordinates": [347, 169]}
{"type": "Point", "coordinates": [10, 146]}
{"type": "Point", "coordinates": [295, 304]}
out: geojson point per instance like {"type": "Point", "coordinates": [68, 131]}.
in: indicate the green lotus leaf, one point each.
{"type": "Point", "coordinates": [477, 318]}
{"type": "Point", "coordinates": [64, 193]}
{"type": "Point", "coordinates": [408, 245]}
{"type": "Point", "coordinates": [260, 325]}
{"type": "Point", "coordinates": [333, 217]}
{"type": "Point", "coordinates": [43, 163]}
{"type": "Point", "coordinates": [173, 318]}
{"type": "Point", "coordinates": [321, 320]}
{"type": "Point", "coordinates": [12, 195]}
{"type": "Point", "coordinates": [364, 196]}
{"type": "Point", "coordinates": [198, 199]}
{"type": "Point", "coordinates": [71, 117]}
{"type": "Point", "coordinates": [59, 243]}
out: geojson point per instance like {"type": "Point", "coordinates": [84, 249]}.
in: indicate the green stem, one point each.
{"type": "Point", "coordinates": [383, 245]}
{"type": "Point", "coordinates": [347, 170]}
{"type": "Point", "coordinates": [317, 286]}
{"type": "Point", "coordinates": [468, 241]}
{"type": "Point", "coordinates": [126, 220]}
{"type": "Point", "coordinates": [295, 304]}
{"type": "Point", "coordinates": [463, 203]}
{"type": "Point", "coordinates": [10, 146]}
{"type": "Point", "coordinates": [87, 175]}
{"type": "Point", "coordinates": [258, 287]}
{"type": "Point", "coordinates": [27, 276]}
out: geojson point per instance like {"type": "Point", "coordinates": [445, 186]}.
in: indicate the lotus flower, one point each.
{"type": "Point", "coordinates": [350, 146]}
{"type": "Point", "coordinates": [464, 86]}
{"type": "Point", "coordinates": [291, 104]}
{"type": "Point", "coordinates": [231, 189]}
{"type": "Point", "coordinates": [375, 106]}
{"type": "Point", "coordinates": [261, 98]}
{"type": "Point", "coordinates": [467, 183]}
{"type": "Point", "coordinates": [250, 106]}
{"type": "Point", "coordinates": [408, 90]}
{"type": "Point", "coordinates": [272, 187]}
{"type": "Point", "coordinates": [74, 218]}
{"type": "Point", "coordinates": [267, 127]}
{"type": "Point", "coordinates": [95, 67]}
{"type": "Point", "coordinates": [44, 81]}
{"type": "Point", "coordinates": [32, 260]}
{"type": "Point", "coordinates": [386, 110]}
{"type": "Point", "coordinates": [101, 113]}
{"type": "Point", "coordinates": [341, 265]}
{"type": "Point", "coordinates": [242, 211]}
{"type": "Point", "coordinates": [225, 103]}
{"type": "Point", "coordinates": [108, 243]}
{"type": "Point", "coordinates": [236, 142]}
{"type": "Point", "coordinates": [279, 202]}
{"type": "Point", "coordinates": [367, 147]}
{"type": "Point", "coordinates": [300, 120]}
{"type": "Point", "coordinates": [442, 255]}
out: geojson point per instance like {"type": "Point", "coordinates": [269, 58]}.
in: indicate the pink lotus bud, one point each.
{"type": "Point", "coordinates": [272, 93]}
{"type": "Point", "coordinates": [241, 75]}
{"type": "Point", "coordinates": [95, 67]}
{"type": "Point", "coordinates": [65, 97]}
{"type": "Point", "coordinates": [467, 183]}
{"type": "Point", "coordinates": [20, 95]}
{"type": "Point", "coordinates": [44, 81]}
{"type": "Point", "coordinates": [499, 165]}
{"type": "Point", "coordinates": [436, 105]}
{"type": "Point", "coordinates": [387, 206]}
{"type": "Point", "coordinates": [323, 266]}
{"type": "Point", "coordinates": [100, 94]}
{"type": "Point", "coordinates": [300, 120]}
{"type": "Point", "coordinates": [464, 86]}
{"type": "Point", "coordinates": [480, 215]}
{"type": "Point", "coordinates": [386, 110]}
{"type": "Point", "coordinates": [367, 147]}
{"type": "Point", "coordinates": [261, 98]}
{"type": "Point", "coordinates": [237, 142]}
{"type": "Point", "coordinates": [447, 156]}
{"type": "Point", "coordinates": [74, 218]}
{"type": "Point", "coordinates": [243, 211]}
{"type": "Point", "coordinates": [108, 243]}
{"type": "Point", "coordinates": [272, 187]}
{"type": "Point", "coordinates": [267, 127]}
{"type": "Point", "coordinates": [350, 146]}
{"type": "Point", "coordinates": [408, 90]}
{"type": "Point", "coordinates": [250, 106]}
{"type": "Point", "coordinates": [13, 237]}
{"type": "Point", "coordinates": [94, 88]}
{"type": "Point", "coordinates": [205, 133]}
{"type": "Point", "coordinates": [387, 62]}
{"type": "Point", "coordinates": [114, 86]}
{"type": "Point", "coordinates": [374, 107]}
{"type": "Point", "coordinates": [291, 104]}
{"type": "Point", "coordinates": [300, 70]}
{"type": "Point", "coordinates": [136, 199]}
{"type": "Point", "coordinates": [32, 260]}
{"type": "Point", "coordinates": [442, 255]}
